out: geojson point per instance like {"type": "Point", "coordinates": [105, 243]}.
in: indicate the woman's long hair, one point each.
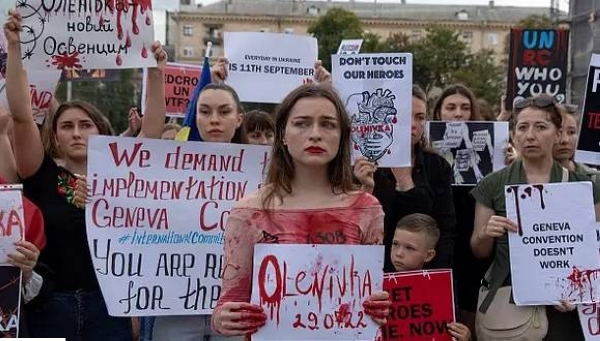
{"type": "Point", "coordinates": [281, 170]}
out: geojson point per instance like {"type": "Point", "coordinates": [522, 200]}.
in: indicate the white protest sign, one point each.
{"type": "Point", "coordinates": [377, 91]}
{"type": "Point", "coordinates": [554, 255]}
{"type": "Point", "coordinates": [350, 46]}
{"type": "Point", "coordinates": [42, 85]}
{"type": "Point", "coordinates": [319, 295]}
{"type": "Point", "coordinates": [86, 34]}
{"type": "Point", "coordinates": [156, 219]}
{"type": "Point", "coordinates": [589, 314]}
{"type": "Point", "coordinates": [265, 67]}
{"type": "Point", "coordinates": [12, 220]}
{"type": "Point", "coordinates": [589, 317]}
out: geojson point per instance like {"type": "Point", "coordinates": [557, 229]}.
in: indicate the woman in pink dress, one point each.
{"type": "Point", "coordinates": [308, 198]}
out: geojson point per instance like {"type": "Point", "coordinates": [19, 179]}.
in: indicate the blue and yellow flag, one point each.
{"type": "Point", "coordinates": [189, 132]}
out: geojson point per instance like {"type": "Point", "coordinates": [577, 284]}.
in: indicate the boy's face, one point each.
{"type": "Point", "coordinates": [410, 250]}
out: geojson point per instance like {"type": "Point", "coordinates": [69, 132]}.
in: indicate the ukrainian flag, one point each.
{"type": "Point", "coordinates": [189, 132]}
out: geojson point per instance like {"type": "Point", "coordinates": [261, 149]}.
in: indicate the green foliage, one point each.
{"type": "Point", "coordinates": [536, 21]}
{"type": "Point", "coordinates": [371, 43]}
{"type": "Point", "coordinates": [437, 56]}
{"type": "Point", "coordinates": [113, 99]}
{"type": "Point", "coordinates": [483, 75]}
{"type": "Point", "coordinates": [331, 28]}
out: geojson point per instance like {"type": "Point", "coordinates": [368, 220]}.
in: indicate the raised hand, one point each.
{"type": "Point", "coordinates": [13, 27]}
{"type": "Point", "coordinates": [219, 72]}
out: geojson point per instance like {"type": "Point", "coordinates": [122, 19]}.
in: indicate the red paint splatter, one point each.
{"type": "Point", "coordinates": [317, 266]}
{"type": "Point", "coordinates": [119, 60]}
{"type": "Point", "coordinates": [580, 282]}
{"type": "Point", "coordinates": [128, 40]}
{"type": "Point", "coordinates": [144, 52]}
{"type": "Point", "coordinates": [272, 301]}
{"type": "Point", "coordinates": [394, 120]}
{"type": "Point", "coordinates": [342, 315]}
{"type": "Point", "coordinates": [355, 147]}
{"type": "Point", "coordinates": [125, 7]}
{"type": "Point", "coordinates": [66, 61]}
{"type": "Point", "coordinates": [148, 21]}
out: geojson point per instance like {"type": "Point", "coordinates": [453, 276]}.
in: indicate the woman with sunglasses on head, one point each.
{"type": "Point", "coordinates": [70, 304]}
{"type": "Point", "coordinates": [536, 124]}
{"type": "Point", "coordinates": [564, 150]}
{"type": "Point", "coordinates": [308, 197]}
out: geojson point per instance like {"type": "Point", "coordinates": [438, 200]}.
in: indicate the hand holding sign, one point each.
{"type": "Point", "coordinates": [363, 171]}
{"type": "Point", "coordinates": [321, 73]}
{"type": "Point", "coordinates": [378, 306]}
{"type": "Point", "coordinates": [238, 318]}
{"type": "Point", "coordinates": [160, 55]}
{"type": "Point", "coordinates": [497, 226]}
{"type": "Point", "coordinates": [219, 73]}
{"type": "Point", "coordinates": [25, 258]}
{"type": "Point", "coordinates": [13, 28]}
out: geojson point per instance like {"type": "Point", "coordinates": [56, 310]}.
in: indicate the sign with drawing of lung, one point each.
{"type": "Point", "coordinates": [474, 149]}
{"type": "Point", "coordinates": [377, 92]}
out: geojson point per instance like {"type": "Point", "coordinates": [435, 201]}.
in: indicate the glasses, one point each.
{"type": "Point", "coordinates": [541, 102]}
{"type": "Point", "coordinates": [571, 109]}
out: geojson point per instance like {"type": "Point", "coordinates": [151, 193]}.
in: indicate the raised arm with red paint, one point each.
{"type": "Point", "coordinates": [308, 198]}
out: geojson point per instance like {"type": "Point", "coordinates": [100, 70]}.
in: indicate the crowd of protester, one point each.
{"type": "Point", "coordinates": [423, 221]}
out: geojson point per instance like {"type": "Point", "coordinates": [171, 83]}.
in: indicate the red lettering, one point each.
{"type": "Point", "coordinates": [40, 100]}
{"type": "Point", "coordinates": [594, 120]}
{"type": "Point", "coordinates": [144, 155]}
{"type": "Point", "coordinates": [273, 301]}
{"type": "Point", "coordinates": [533, 57]}
{"type": "Point", "coordinates": [9, 221]}
{"type": "Point", "coordinates": [204, 225]}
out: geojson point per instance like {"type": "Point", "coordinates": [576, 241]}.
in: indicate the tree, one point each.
{"type": "Point", "coordinates": [397, 42]}
{"type": "Point", "coordinates": [330, 29]}
{"type": "Point", "coordinates": [483, 75]}
{"type": "Point", "coordinates": [113, 99]}
{"type": "Point", "coordinates": [437, 56]}
{"type": "Point", "coordinates": [536, 21]}
{"type": "Point", "coordinates": [371, 43]}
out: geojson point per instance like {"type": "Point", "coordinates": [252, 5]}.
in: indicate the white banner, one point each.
{"type": "Point", "coordinates": [318, 296]}
{"type": "Point", "coordinates": [350, 46]}
{"type": "Point", "coordinates": [86, 34]}
{"type": "Point", "coordinates": [377, 91]}
{"type": "Point", "coordinates": [156, 220]}
{"type": "Point", "coordinates": [265, 67]}
{"type": "Point", "coordinates": [554, 255]}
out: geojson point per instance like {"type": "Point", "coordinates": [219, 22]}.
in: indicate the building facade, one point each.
{"type": "Point", "coordinates": [481, 27]}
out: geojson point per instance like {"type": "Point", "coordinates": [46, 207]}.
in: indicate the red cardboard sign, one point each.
{"type": "Point", "coordinates": [422, 306]}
